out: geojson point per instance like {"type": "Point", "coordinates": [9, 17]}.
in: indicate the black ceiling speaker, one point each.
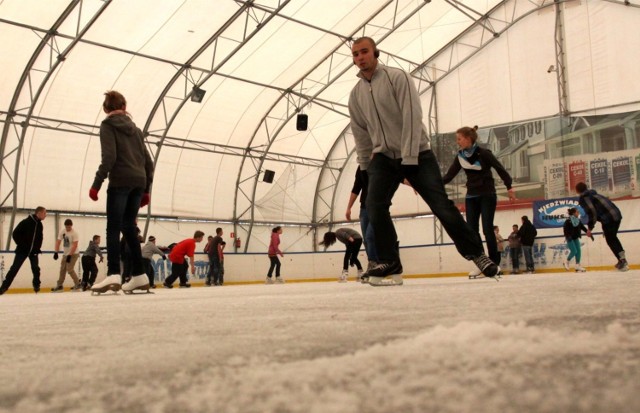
{"type": "Point", "coordinates": [301, 122]}
{"type": "Point", "coordinates": [268, 176]}
{"type": "Point", "coordinates": [198, 94]}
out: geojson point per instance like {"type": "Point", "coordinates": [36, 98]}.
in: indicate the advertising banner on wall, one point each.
{"type": "Point", "coordinates": [614, 174]}
{"type": "Point", "coordinates": [552, 213]}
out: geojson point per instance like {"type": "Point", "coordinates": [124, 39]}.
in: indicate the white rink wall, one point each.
{"type": "Point", "coordinates": [419, 256]}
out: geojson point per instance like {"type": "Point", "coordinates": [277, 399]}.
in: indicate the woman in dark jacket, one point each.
{"type": "Point", "coordinates": [128, 165]}
{"type": "Point", "coordinates": [481, 199]}
{"type": "Point", "coordinates": [573, 228]}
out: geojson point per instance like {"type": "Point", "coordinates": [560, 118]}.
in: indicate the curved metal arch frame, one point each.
{"type": "Point", "coordinates": [252, 175]}
{"type": "Point", "coordinates": [426, 81]}
{"type": "Point", "coordinates": [183, 71]}
{"type": "Point", "coordinates": [46, 44]}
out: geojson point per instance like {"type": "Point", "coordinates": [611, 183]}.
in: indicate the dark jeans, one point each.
{"type": "Point", "coordinates": [610, 232]}
{"type": "Point", "coordinates": [369, 236]}
{"type": "Point", "coordinates": [19, 259]}
{"type": "Point", "coordinates": [122, 210]}
{"type": "Point", "coordinates": [146, 262]}
{"type": "Point", "coordinates": [89, 270]}
{"type": "Point", "coordinates": [515, 258]}
{"type": "Point", "coordinates": [216, 271]}
{"type": "Point", "coordinates": [385, 175]}
{"type": "Point", "coordinates": [484, 206]}
{"type": "Point", "coordinates": [351, 255]}
{"type": "Point", "coordinates": [527, 251]}
{"type": "Point", "coordinates": [275, 263]}
{"type": "Point", "coordinates": [178, 271]}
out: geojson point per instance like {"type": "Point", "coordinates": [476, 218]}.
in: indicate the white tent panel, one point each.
{"type": "Point", "coordinates": [52, 170]}
{"type": "Point", "coordinates": [534, 91]}
{"type": "Point", "coordinates": [290, 197]}
{"type": "Point", "coordinates": [228, 115]}
{"type": "Point", "coordinates": [600, 64]}
{"type": "Point", "coordinates": [316, 145]}
{"type": "Point", "coordinates": [311, 143]}
{"type": "Point", "coordinates": [24, 12]}
{"type": "Point", "coordinates": [173, 32]}
{"type": "Point", "coordinates": [251, 113]}
{"type": "Point", "coordinates": [195, 184]}
{"type": "Point", "coordinates": [449, 93]}
{"type": "Point", "coordinates": [278, 55]}
{"type": "Point", "coordinates": [77, 90]}
{"type": "Point", "coordinates": [13, 58]}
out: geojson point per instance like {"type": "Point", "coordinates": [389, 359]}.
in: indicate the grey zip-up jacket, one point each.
{"type": "Point", "coordinates": [125, 159]}
{"type": "Point", "coordinates": [386, 117]}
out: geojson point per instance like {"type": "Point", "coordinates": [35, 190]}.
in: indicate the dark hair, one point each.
{"type": "Point", "coordinates": [469, 133]}
{"type": "Point", "coordinates": [514, 225]}
{"type": "Point", "coordinates": [571, 211]}
{"type": "Point", "coordinates": [198, 234]}
{"type": "Point", "coordinates": [581, 187]}
{"type": "Point", "coordinates": [276, 229]}
{"type": "Point", "coordinates": [113, 101]}
{"type": "Point", "coordinates": [328, 239]}
{"type": "Point", "coordinates": [40, 209]}
{"type": "Point", "coordinates": [218, 231]}
{"type": "Point", "coordinates": [68, 222]}
{"type": "Point", "coordinates": [151, 238]}
{"type": "Point", "coordinates": [525, 218]}
{"type": "Point", "coordinates": [95, 237]}
{"type": "Point", "coordinates": [376, 52]}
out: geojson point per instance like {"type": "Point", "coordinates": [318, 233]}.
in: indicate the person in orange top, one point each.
{"type": "Point", "coordinates": [185, 248]}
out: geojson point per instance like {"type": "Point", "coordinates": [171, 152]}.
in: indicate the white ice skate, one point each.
{"type": "Point", "coordinates": [138, 282]}
{"type": "Point", "coordinates": [111, 282]}
{"type": "Point", "coordinates": [475, 273]}
{"type": "Point", "coordinates": [565, 264]}
{"type": "Point", "coordinates": [343, 277]}
{"type": "Point", "coordinates": [389, 280]}
{"type": "Point", "coordinates": [580, 268]}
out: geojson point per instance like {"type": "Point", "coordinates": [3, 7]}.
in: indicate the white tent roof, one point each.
{"type": "Point", "coordinates": [263, 62]}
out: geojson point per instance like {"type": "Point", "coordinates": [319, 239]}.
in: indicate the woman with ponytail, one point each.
{"type": "Point", "coordinates": [481, 198]}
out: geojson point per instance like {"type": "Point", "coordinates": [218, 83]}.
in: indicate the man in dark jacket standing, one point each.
{"type": "Point", "coordinates": [600, 208]}
{"type": "Point", "coordinates": [527, 233]}
{"type": "Point", "coordinates": [28, 238]}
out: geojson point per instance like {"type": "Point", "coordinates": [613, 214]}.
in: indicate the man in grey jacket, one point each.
{"type": "Point", "coordinates": [392, 145]}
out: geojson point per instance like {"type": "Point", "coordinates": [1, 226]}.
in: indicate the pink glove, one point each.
{"type": "Point", "coordinates": [144, 201]}
{"type": "Point", "coordinates": [93, 194]}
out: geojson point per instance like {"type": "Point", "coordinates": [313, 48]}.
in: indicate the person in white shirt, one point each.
{"type": "Point", "coordinates": [68, 237]}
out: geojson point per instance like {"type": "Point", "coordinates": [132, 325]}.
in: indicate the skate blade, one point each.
{"type": "Point", "coordinates": [106, 288]}
{"type": "Point", "coordinates": [388, 281]}
{"type": "Point", "coordinates": [143, 289]}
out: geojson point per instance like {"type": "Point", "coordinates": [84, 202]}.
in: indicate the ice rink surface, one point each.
{"type": "Point", "coordinates": [559, 342]}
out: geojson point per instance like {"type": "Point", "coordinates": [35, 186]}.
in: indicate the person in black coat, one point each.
{"type": "Point", "coordinates": [527, 233]}
{"type": "Point", "coordinates": [28, 238]}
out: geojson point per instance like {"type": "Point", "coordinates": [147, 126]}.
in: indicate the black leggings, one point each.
{"type": "Point", "coordinates": [275, 263]}
{"type": "Point", "coordinates": [351, 254]}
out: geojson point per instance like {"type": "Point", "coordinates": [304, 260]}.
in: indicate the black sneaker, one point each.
{"type": "Point", "coordinates": [384, 269]}
{"type": "Point", "coordinates": [488, 267]}
{"type": "Point", "coordinates": [165, 285]}
{"type": "Point", "coordinates": [185, 285]}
